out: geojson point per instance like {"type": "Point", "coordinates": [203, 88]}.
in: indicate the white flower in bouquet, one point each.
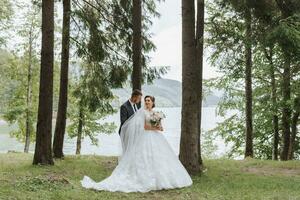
{"type": "Point", "coordinates": [156, 117]}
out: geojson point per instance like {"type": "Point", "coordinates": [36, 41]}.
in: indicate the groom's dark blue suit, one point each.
{"type": "Point", "coordinates": [126, 112]}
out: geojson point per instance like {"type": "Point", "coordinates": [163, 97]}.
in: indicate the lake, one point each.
{"type": "Point", "coordinates": [109, 145]}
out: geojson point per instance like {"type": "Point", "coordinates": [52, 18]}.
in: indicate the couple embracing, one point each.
{"type": "Point", "coordinates": [147, 161]}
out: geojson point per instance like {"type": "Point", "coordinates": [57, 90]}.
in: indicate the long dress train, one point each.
{"type": "Point", "coordinates": [147, 162]}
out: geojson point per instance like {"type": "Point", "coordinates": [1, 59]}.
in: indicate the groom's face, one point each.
{"type": "Point", "coordinates": [137, 99]}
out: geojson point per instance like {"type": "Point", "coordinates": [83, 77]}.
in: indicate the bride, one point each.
{"type": "Point", "coordinates": [147, 162]}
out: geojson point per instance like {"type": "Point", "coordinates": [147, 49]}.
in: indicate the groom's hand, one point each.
{"type": "Point", "coordinates": [160, 128]}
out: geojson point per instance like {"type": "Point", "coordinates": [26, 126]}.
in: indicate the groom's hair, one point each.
{"type": "Point", "coordinates": [136, 92]}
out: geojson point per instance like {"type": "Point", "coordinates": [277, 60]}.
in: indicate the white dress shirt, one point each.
{"type": "Point", "coordinates": [133, 105]}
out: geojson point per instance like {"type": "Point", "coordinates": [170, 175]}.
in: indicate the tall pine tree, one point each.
{"type": "Point", "coordinates": [63, 90]}
{"type": "Point", "coordinates": [192, 41]}
{"type": "Point", "coordinates": [43, 146]}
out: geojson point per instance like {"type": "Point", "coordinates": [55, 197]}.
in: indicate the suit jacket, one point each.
{"type": "Point", "coordinates": [126, 111]}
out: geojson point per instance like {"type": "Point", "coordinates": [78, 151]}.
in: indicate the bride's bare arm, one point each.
{"type": "Point", "coordinates": [152, 128]}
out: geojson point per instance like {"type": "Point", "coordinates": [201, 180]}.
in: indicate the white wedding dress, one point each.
{"type": "Point", "coordinates": [147, 162]}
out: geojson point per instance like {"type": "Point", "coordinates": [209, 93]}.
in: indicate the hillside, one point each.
{"type": "Point", "coordinates": [166, 91]}
{"type": "Point", "coordinates": [223, 179]}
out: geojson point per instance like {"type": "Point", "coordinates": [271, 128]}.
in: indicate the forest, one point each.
{"type": "Point", "coordinates": [60, 62]}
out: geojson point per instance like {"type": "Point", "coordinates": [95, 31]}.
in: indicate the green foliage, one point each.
{"type": "Point", "coordinates": [287, 34]}
{"type": "Point", "coordinates": [15, 70]}
{"type": "Point", "coordinates": [89, 101]}
{"type": "Point", "coordinates": [226, 35]}
{"type": "Point", "coordinates": [272, 38]}
{"type": "Point", "coordinates": [15, 100]}
{"type": "Point", "coordinates": [208, 149]}
{"type": "Point", "coordinates": [4, 80]}
{"type": "Point", "coordinates": [5, 9]}
{"type": "Point", "coordinates": [94, 105]}
{"type": "Point", "coordinates": [6, 13]}
{"type": "Point", "coordinates": [92, 125]}
{"type": "Point", "coordinates": [103, 37]}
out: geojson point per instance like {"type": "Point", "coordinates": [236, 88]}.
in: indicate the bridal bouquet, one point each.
{"type": "Point", "coordinates": [156, 117]}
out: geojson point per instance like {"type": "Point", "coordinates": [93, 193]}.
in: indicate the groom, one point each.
{"type": "Point", "coordinates": [130, 107]}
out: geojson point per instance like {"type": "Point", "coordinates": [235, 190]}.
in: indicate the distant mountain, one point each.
{"type": "Point", "coordinates": [167, 93]}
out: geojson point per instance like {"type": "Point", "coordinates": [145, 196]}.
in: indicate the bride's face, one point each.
{"type": "Point", "coordinates": [148, 103]}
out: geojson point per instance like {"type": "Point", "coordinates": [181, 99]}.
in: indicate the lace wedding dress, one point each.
{"type": "Point", "coordinates": [147, 162]}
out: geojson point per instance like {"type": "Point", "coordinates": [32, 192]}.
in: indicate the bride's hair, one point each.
{"type": "Point", "coordinates": [152, 99]}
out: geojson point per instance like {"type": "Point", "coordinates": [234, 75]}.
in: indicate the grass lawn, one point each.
{"type": "Point", "coordinates": [223, 179]}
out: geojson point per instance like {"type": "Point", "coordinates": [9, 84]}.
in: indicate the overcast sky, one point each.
{"type": "Point", "coordinates": [167, 38]}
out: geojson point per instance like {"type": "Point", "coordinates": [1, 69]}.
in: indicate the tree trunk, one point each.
{"type": "Point", "coordinates": [286, 111]}
{"type": "Point", "coordinates": [286, 87]}
{"type": "Point", "coordinates": [63, 92]}
{"type": "Point", "coordinates": [189, 141]}
{"type": "Point", "coordinates": [28, 95]}
{"type": "Point", "coordinates": [295, 119]}
{"type": "Point", "coordinates": [274, 103]}
{"type": "Point", "coordinates": [43, 151]}
{"type": "Point", "coordinates": [248, 85]}
{"type": "Point", "coordinates": [79, 133]}
{"type": "Point", "coordinates": [137, 44]}
{"type": "Point", "coordinates": [199, 57]}
{"type": "Point", "coordinates": [276, 137]}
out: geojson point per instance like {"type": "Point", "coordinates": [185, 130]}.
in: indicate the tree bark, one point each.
{"type": "Point", "coordinates": [199, 57]}
{"type": "Point", "coordinates": [29, 94]}
{"type": "Point", "coordinates": [284, 7]}
{"type": "Point", "coordinates": [274, 105]}
{"type": "Point", "coordinates": [79, 132]}
{"type": "Point", "coordinates": [63, 92]}
{"type": "Point", "coordinates": [286, 111]}
{"type": "Point", "coordinates": [295, 119]}
{"type": "Point", "coordinates": [43, 150]}
{"type": "Point", "coordinates": [248, 85]}
{"type": "Point", "coordinates": [189, 141]}
{"type": "Point", "coordinates": [137, 44]}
